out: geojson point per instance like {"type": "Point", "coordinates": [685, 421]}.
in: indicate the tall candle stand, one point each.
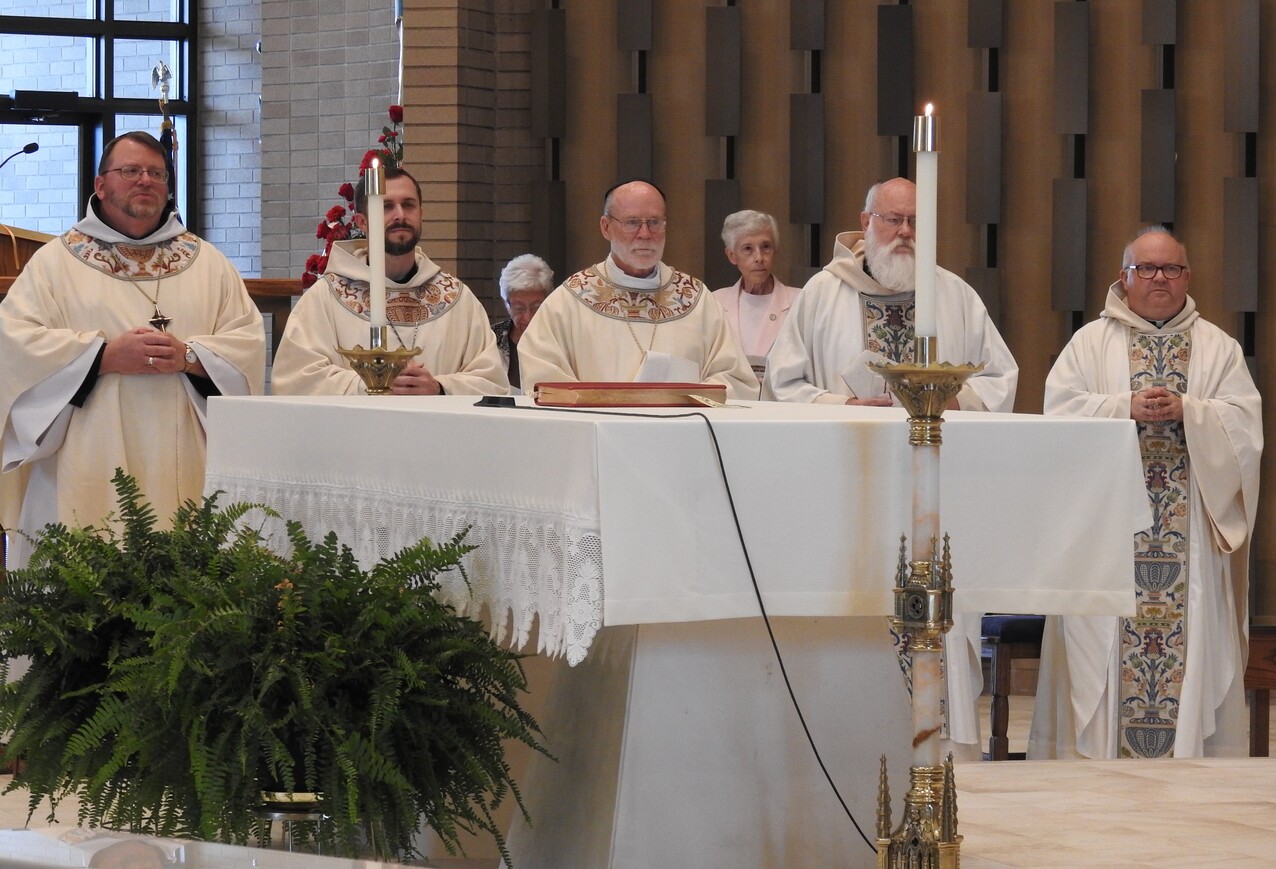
{"type": "Point", "coordinates": [926, 837]}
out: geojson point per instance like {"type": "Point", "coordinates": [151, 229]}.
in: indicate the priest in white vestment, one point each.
{"type": "Point", "coordinates": [1168, 681]}
{"type": "Point", "coordinates": [426, 308]}
{"type": "Point", "coordinates": [631, 317]}
{"type": "Point", "coordinates": [113, 337]}
{"type": "Point", "coordinates": [860, 309]}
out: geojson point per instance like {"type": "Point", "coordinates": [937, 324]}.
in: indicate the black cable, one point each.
{"type": "Point", "coordinates": [766, 619]}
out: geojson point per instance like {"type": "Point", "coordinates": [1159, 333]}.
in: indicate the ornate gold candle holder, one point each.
{"type": "Point", "coordinates": [926, 837]}
{"type": "Point", "coordinates": [378, 366]}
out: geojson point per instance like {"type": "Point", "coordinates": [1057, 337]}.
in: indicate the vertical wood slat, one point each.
{"type": "Point", "coordinates": [633, 25]}
{"type": "Point", "coordinates": [1068, 244]}
{"type": "Point", "coordinates": [633, 137]}
{"type": "Point", "coordinates": [806, 25]}
{"type": "Point", "coordinates": [722, 53]}
{"type": "Point", "coordinates": [721, 197]}
{"type": "Point", "coordinates": [1159, 147]}
{"type": "Point", "coordinates": [1240, 266]}
{"type": "Point", "coordinates": [549, 228]}
{"type": "Point", "coordinates": [985, 23]}
{"type": "Point", "coordinates": [1160, 22]}
{"type": "Point", "coordinates": [987, 283]}
{"type": "Point", "coordinates": [895, 88]}
{"type": "Point", "coordinates": [1240, 66]}
{"type": "Point", "coordinates": [1071, 67]}
{"type": "Point", "coordinates": [983, 162]}
{"type": "Point", "coordinates": [549, 73]}
{"type": "Point", "coordinates": [806, 158]}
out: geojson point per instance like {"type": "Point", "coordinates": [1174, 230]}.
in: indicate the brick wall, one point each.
{"type": "Point", "coordinates": [327, 81]}
{"type": "Point", "coordinates": [230, 130]}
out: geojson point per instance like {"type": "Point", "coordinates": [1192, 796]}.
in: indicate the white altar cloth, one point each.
{"type": "Point", "coordinates": [585, 519]}
{"type": "Point", "coordinates": [676, 741]}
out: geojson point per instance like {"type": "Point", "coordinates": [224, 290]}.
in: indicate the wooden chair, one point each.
{"type": "Point", "coordinates": [1260, 677]}
{"type": "Point", "coordinates": [1005, 639]}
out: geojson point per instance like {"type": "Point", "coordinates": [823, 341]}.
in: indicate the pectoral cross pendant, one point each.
{"type": "Point", "coordinates": [159, 321]}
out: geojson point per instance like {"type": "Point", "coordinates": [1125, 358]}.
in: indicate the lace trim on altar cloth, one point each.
{"type": "Point", "coordinates": [529, 563]}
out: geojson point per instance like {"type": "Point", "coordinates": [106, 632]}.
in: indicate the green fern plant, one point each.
{"type": "Point", "coordinates": [176, 674]}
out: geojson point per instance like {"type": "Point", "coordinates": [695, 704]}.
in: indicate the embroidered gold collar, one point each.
{"type": "Point", "coordinates": [403, 306]}
{"type": "Point", "coordinates": [674, 298]}
{"type": "Point", "coordinates": [134, 262]}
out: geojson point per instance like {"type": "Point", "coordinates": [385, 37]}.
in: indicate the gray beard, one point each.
{"type": "Point", "coordinates": [895, 272]}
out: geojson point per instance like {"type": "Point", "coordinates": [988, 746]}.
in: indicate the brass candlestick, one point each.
{"type": "Point", "coordinates": [378, 366]}
{"type": "Point", "coordinates": [926, 837]}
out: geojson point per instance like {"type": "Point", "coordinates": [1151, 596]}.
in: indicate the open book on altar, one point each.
{"type": "Point", "coordinates": [625, 394]}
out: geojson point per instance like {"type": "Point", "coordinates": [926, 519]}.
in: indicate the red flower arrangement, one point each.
{"type": "Point", "coordinates": [338, 224]}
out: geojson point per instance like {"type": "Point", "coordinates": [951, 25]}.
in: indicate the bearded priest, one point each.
{"type": "Point", "coordinates": [859, 309]}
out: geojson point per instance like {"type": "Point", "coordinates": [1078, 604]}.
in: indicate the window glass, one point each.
{"type": "Point", "coordinates": [151, 124]}
{"type": "Point", "coordinates": [147, 10]}
{"type": "Point", "coordinates": [47, 63]}
{"type": "Point", "coordinates": [135, 59]}
{"type": "Point", "coordinates": [38, 190]}
{"type": "Point", "coordinates": [48, 8]}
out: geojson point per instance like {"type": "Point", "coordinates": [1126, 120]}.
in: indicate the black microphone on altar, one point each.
{"type": "Point", "coordinates": [29, 148]}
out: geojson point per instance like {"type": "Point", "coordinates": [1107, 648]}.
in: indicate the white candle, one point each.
{"type": "Point", "coordinates": [926, 148]}
{"type": "Point", "coordinates": [374, 180]}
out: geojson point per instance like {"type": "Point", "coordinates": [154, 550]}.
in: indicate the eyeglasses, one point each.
{"type": "Point", "coordinates": [132, 173]}
{"type": "Point", "coordinates": [1147, 271]}
{"type": "Point", "coordinates": [631, 225]}
{"type": "Point", "coordinates": [517, 310]}
{"type": "Point", "coordinates": [894, 221]}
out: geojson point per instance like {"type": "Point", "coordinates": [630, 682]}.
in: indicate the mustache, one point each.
{"type": "Point", "coordinates": [406, 226]}
{"type": "Point", "coordinates": [903, 243]}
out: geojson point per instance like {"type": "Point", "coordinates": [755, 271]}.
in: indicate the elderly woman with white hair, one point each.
{"type": "Point", "coordinates": [525, 282]}
{"type": "Point", "coordinates": [757, 304]}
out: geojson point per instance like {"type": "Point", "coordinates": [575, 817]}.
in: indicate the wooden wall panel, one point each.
{"type": "Point", "coordinates": [983, 169]}
{"type": "Point", "coordinates": [549, 73]}
{"type": "Point", "coordinates": [1218, 50]}
{"type": "Point", "coordinates": [634, 138]}
{"type": "Point", "coordinates": [1158, 120]}
{"type": "Point", "coordinates": [721, 197]}
{"type": "Point", "coordinates": [895, 70]}
{"type": "Point", "coordinates": [1068, 218]}
{"type": "Point", "coordinates": [1240, 66]}
{"type": "Point", "coordinates": [722, 70]}
{"type": "Point", "coordinates": [806, 161]}
{"type": "Point", "coordinates": [1071, 67]}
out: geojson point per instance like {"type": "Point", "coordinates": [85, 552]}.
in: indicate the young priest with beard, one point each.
{"type": "Point", "coordinates": [860, 307]}
{"type": "Point", "coordinates": [426, 308]}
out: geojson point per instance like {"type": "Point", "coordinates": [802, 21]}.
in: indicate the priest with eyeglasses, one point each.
{"type": "Point", "coordinates": [1168, 681]}
{"type": "Point", "coordinates": [113, 337]}
{"type": "Point", "coordinates": [631, 317]}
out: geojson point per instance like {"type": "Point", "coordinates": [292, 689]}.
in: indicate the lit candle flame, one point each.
{"type": "Point", "coordinates": [929, 108]}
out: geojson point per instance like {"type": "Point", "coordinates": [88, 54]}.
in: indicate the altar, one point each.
{"type": "Point", "coordinates": [628, 541]}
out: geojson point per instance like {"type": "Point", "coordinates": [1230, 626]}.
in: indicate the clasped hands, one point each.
{"type": "Point", "coordinates": [144, 351]}
{"type": "Point", "coordinates": [415, 379]}
{"type": "Point", "coordinates": [1156, 404]}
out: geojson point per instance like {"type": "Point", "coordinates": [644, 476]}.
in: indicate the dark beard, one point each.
{"type": "Point", "coordinates": [399, 248]}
